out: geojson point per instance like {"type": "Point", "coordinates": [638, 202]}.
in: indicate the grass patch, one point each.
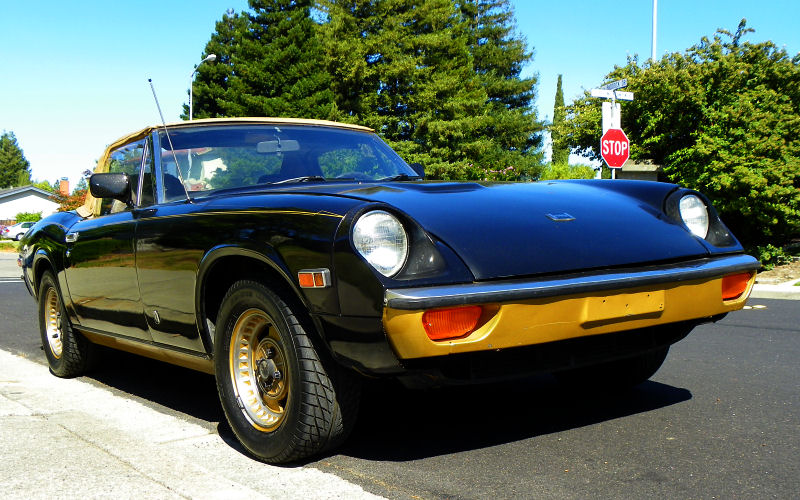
{"type": "Point", "coordinates": [9, 246]}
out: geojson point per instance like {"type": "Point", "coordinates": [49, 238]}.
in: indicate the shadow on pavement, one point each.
{"type": "Point", "coordinates": [398, 424]}
{"type": "Point", "coordinates": [178, 389]}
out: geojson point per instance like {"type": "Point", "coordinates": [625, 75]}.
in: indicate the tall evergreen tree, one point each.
{"type": "Point", "coordinates": [560, 147]}
{"type": "Point", "coordinates": [403, 67]}
{"type": "Point", "coordinates": [408, 69]}
{"type": "Point", "coordinates": [270, 65]}
{"type": "Point", "coordinates": [14, 167]}
{"type": "Point", "coordinates": [349, 39]}
{"type": "Point", "coordinates": [213, 96]}
{"type": "Point", "coordinates": [499, 55]}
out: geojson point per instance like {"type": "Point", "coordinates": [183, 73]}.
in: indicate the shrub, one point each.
{"type": "Point", "coordinates": [29, 217]}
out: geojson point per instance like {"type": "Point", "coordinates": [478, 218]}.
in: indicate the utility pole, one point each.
{"type": "Point", "coordinates": [655, 29]}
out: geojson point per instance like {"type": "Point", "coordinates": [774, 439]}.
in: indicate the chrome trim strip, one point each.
{"type": "Point", "coordinates": [599, 281]}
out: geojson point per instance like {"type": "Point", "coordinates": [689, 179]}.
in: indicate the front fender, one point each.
{"type": "Point", "coordinates": [44, 248]}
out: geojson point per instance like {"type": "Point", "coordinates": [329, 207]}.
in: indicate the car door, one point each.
{"type": "Point", "coordinates": [169, 247]}
{"type": "Point", "coordinates": [101, 271]}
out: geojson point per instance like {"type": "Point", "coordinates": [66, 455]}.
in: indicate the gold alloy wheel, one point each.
{"type": "Point", "coordinates": [259, 372]}
{"type": "Point", "coordinates": [52, 322]}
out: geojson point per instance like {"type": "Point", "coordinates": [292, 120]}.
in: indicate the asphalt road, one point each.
{"type": "Point", "coordinates": [721, 419]}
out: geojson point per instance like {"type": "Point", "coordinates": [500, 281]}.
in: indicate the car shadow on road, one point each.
{"type": "Point", "coordinates": [396, 424]}
{"type": "Point", "coordinates": [170, 387]}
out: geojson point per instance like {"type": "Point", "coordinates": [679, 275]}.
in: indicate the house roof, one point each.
{"type": "Point", "coordinates": [5, 193]}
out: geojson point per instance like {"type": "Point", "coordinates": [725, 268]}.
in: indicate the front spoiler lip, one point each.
{"type": "Point", "coordinates": [599, 281]}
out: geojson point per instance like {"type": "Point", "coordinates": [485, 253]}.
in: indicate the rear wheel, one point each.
{"type": "Point", "coordinates": [615, 375]}
{"type": "Point", "coordinates": [68, 352]}
{"type": "Point", "coordinates": [282, 397]}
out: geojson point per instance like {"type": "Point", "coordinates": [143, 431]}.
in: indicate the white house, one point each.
{"type": "Point", "coordinates": [29, 199]}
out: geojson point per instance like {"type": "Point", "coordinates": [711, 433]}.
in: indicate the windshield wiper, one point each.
{"type": "Point", "coordinates": [400, 177]}
{"type": "Point", "coordinates": [305, 178]}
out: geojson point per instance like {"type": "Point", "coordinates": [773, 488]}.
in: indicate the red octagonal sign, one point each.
{"type": "Point", "coordinates": [614, 147]}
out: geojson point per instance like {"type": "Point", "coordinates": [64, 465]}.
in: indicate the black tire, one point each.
{"type": "Point", "coordinates": [68, 352]}
{"type": "Point", "coordinates": [284, 399]}
{"type": "Point", "coordinates": [615, 375]}
{"type": "Point", "coordinates": [18, 237]}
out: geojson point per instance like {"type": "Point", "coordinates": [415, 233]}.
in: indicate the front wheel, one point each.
{"type": "Point", "coordinates": [283, 399]}
{"type": "Point", "coordinates": [68, 352]}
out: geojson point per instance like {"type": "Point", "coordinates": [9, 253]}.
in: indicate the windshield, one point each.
{"type": "Point", "coordinates": [232, 156]}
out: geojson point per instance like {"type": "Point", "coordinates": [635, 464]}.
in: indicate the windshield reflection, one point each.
{"type": "Point", "coordinates": [208, 158]}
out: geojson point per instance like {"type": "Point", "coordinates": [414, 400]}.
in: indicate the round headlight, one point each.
{"type": "Point", "coordinates": [381, 239]}
{"type": "Point", "coordinates": [694, 214]}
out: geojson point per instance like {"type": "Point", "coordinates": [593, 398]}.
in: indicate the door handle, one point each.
{"type": "Point", "coordinates": [71, 237]}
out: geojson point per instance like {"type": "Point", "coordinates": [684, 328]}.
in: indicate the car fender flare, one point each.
{"type": "Point", "coordinates": [268, 257]}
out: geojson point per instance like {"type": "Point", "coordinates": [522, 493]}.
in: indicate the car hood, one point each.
{"type": "Point", "coordinates": [517, 229]}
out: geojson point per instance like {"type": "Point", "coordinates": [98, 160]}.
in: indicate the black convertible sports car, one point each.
{"type": "Point", "coordinates": [291, 258]}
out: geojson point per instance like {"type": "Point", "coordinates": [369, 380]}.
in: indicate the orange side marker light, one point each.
{"type": "Point", "coordinates": [445, 324]}
{"type": "Point", "coordinates": [734, 285]}
{"type": "Point", "coordinates": [314, 278]}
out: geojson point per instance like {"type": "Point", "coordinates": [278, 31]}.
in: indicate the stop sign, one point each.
{"type": "Point", "coordinates": [614, 147]}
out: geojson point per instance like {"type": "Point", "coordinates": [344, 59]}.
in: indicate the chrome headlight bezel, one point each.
{"type": "Point", "coordinates": [694, 214]}
{"type": "Point", "coordinates": [382, 240]}
{"type": "Point", "coordinates": [678, 206]}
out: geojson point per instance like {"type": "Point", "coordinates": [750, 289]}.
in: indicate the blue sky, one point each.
{"type": "Point", "coordinates": [74, 74]}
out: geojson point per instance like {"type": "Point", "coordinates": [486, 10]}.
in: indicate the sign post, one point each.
{"type": "Point", "coordinates": [614, 145]}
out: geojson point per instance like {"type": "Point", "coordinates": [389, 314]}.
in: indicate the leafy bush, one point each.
{"type": "Point", "coordinates": [29, 217]}
{"type": "Point", "coordinates": [771, 256]}
{"type": "Point", "coordinates": [722, 118]}
{"type": "Point", "coordinates": [564, 171]}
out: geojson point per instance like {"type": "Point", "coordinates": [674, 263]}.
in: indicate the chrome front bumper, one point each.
{"type": "Point", "coordinates": [588, 282]}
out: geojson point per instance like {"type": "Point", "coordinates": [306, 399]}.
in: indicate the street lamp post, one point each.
{"type": "Point", "coordinates": [655, 27]}
{"type": "Point", "coordinates": [209, 58]}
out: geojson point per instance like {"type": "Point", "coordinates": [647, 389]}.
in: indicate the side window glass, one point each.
{"type": "Point", "coordinates": [125, 159]}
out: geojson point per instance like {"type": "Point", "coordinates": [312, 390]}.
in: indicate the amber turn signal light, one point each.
{"type": "Point", "coordinates": [734, 285]}
{"type": "Point", "coordinates": [445, 324]}
{"type": "Point", "coordinates": [314, 278]}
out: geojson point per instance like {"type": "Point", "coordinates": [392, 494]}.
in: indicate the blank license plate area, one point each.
{"type": "Point", "coordinates": [624, 306]}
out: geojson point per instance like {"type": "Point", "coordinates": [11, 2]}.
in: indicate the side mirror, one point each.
{"type": "Point", "coordinates": [418, 169]}
{"type": "Point", "coordinates": [116, 186]}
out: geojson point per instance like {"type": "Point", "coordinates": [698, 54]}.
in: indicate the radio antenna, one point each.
{"type": "Point", "coordinates": [169, 140]}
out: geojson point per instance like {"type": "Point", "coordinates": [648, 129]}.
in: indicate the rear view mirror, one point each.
{"type": "Point", "coordinates": [116, 186]}
{"type": "Point", "coordinates": [277, 146]}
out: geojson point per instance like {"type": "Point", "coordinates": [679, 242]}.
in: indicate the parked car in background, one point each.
{"type": "Point", "coordinates": [16, 231]}
{"type": "Point", "coordinates": [292, 258]}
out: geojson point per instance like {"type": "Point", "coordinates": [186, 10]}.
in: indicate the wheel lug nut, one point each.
{"type": "Point", "coordinates": [277, 375]}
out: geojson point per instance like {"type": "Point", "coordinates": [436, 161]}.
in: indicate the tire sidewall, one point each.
{"type": "Point", "coordinates": [57, 364]}
{"type": "Point", "coordinates": [265, 445]}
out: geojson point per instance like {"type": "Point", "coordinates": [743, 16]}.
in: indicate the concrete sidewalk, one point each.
{"type": "Point", "coordinates": [72, 439]}
{"type": "Point", "coordinates": [9, 270]}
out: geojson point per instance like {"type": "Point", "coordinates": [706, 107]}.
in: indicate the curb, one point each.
{"type": "Point", "coordinates": [68, 438]}
{"type": "Point", "coordinates": [786, 291]}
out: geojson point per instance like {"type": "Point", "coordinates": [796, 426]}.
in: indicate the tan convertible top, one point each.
{"type": "Point", "coordinates": [91, 204]}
